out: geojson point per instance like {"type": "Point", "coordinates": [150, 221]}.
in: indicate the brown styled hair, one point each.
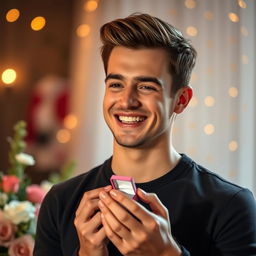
{"type": "Point", "coordinates": [143, 30]}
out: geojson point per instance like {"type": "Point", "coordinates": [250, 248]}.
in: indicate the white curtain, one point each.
{"type": "Point", "coordinates": [218, 128]}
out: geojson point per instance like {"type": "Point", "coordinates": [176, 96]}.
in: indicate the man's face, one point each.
{"type": "Point", "coordinates": [137, 103]}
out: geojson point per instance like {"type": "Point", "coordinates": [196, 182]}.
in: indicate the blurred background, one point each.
{"type": "Point", "coordinates": [52, 77]}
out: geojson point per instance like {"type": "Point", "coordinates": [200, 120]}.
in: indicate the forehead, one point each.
{"type": "Point", "coordinates": [143, 61]}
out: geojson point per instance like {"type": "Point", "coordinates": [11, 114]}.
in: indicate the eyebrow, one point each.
{"type": "Point", "coordinates": [137, 78]}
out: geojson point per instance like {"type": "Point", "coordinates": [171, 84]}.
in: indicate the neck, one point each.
{"type": "Point", "coordinates": [144, 164]}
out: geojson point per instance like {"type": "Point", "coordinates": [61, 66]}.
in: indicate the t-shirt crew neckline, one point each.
{"type": "Point", "coordinates": [179, 171]}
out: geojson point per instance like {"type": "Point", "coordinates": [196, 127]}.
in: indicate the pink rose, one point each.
{"type": "Point", "coordinates": [35, 193]}
{"type": "Point", "coordinates": [7, 230]}
{"type": "Point", "coordinates": [10, 183]}
{"type": "Point", "coordinates": [22, 246]}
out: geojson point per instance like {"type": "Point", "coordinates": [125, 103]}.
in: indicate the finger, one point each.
{"type": "Point", "coordinates": [92, 194]}
{"type": "Point", "coordinates": [90, 207]}
{"type": "Point", "coordinates": [115, 239]}
{"type": "Point", "coordinates": [115, 225]}
{"type": "Point", "coordinates": [137, 210]}
{"type": "Point", "coordinates": [154, 203]}
{"type": "Point", "coordinates": [121, 213]}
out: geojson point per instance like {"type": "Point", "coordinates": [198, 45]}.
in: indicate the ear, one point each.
{"type": "Point", "coordinates": [182, 98]}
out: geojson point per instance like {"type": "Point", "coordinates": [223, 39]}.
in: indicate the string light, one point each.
{"type": "Point", "coordinates": [12, 15]}
{"type": "Point", "coordinates": [38, 23]}
{"type": "Point", "coordinates": [9, 76]}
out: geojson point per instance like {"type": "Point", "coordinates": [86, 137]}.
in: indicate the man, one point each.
{"type": "Point", "coordinates": [182, 208]}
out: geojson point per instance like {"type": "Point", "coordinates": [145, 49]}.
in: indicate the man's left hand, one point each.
{"type": "Point", "coordinates": [133, 229]}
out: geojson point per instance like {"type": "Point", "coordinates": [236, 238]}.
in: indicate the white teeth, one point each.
{"type": "Point", "coordinates": [131, 119]}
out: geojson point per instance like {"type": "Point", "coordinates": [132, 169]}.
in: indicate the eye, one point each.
{"type": "Point", "coordinates": [115, 85]}
{"type": "Point", "coordinates": [147, 88]}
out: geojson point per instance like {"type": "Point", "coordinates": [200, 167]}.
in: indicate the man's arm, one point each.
{"type": "Point", "coordinates": [236, 227]}
{"type": "Point", "coordinates": [47, 240]}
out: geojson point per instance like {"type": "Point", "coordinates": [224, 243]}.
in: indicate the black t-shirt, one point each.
{"type": "Point", "coordinates": [208, 215]}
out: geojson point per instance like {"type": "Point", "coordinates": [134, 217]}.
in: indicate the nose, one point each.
{"type": "Point", "coordinates": [129, 99]}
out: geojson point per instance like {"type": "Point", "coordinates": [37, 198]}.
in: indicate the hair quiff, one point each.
{"type": "Point", "coordinates": [143, 30]}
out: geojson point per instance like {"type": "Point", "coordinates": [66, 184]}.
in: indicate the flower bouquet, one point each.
{"type": "Point", "coordinates": [19, 200]}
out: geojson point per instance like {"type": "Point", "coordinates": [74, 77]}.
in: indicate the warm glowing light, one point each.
{"type": "Point", "coordinates": [12, 15]}
{"type": "Point", "coordinates": [90, 5]}
{"type": "Point", "coordinates": [192, 125]}
{"type": "Point", "coordinates": [244, 31]}
{"type": "Point", "coordinates": [245, 59]}
{"type": "Point", "coordinates": [63, 136]}
{"type": "Point", "coordinates": [38, 23]}
{"type": "Point", "coordinates": [208, 15]}
{"type": "Point", "coordinates": [233, 67]}
{"type": "Point", "coordinates": [233, 145]}
{"type": "Point", "coordinates": [192, 31]}
{"type": "Point", "coordinates": [193, 102]}
{"type": "Point", "coordinates": [233, 92]}
{"type": "Point", "coordinates": [209, 101]}
{"type": "Point", "coordinates": [83, 30]}
{"type": "Point", "coordinates": [190, 4]}
{"type": "Point", "coordinates": [233, 17]}
{"type": "Point", "coordinates": [242, 3]}
{"type": "Point", "coordinates": [70, 121]}
{"type": "Point", "coordinates": [233, 118]}
{"type": "Point", "coordinates": [209, 43]}
{"type": "Point", "coordinates": [209, 129]}
{"type": "Point", "coordinates": [9, 76]}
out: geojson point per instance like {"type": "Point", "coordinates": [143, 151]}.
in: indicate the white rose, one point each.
{"type": "Point", "coordinates": [46, 185]}
{"type": "Point", "coordinates": [24, 158]}
{"type": "Point", "coordinates": [18, 212]}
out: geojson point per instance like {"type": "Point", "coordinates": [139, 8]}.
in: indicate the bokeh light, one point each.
{"type": "Point", "coordinates": [83, 30]}
{"type": "Point", "coordinates": [38, 23]}
{"type": "Point", "coordinates": [9, 76]}
{"type": "Point", "coordinates": [233, 17]}
{"type": "Point", "coordinates": [233, 145]}
{"type": "Point", "coordinates": [70, 121]}
{"type": "Point", "coordinates": [12, 15]}
{"type": "Point", "coordinates": [90, 5]}
{"type": "Point", "coordinates": [209, 129]}
{"type": "Point", "coordinates": [190, 4]}
{"type": "Point", "coordinates": [233, 92]}
{"type": "Point", "coordinates": [63, 136]}
{"type": "Point", "coordinates": [192, 31]}
{"type": "Point", "coordinates": [242, 4]}
{"type": "Point", "coordinates": [209, 101]}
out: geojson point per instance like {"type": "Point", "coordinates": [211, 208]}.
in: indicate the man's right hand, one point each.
{"type": "Point", "coordinates": [88, 225]}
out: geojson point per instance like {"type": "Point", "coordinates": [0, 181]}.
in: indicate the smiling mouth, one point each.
{"type": "Point", "coordinates": [130, 119]}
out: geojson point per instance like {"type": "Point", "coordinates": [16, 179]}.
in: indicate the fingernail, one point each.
{"type": "Point", "coordinates": [108, 187]}
{"type": "Point", "coordinates": [113, 193]}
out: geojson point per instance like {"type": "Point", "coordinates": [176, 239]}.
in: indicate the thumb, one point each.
{"type": "Point", "coordinates": [155, 204]}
